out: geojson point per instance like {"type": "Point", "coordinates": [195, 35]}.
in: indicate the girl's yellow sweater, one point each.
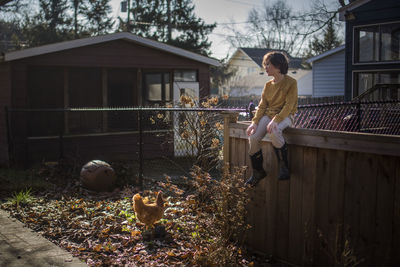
{"type": "Point", "coordinates": [278, 100]}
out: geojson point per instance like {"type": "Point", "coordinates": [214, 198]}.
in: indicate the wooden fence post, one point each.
{"type": "Point", "coordinates": [228, 118]}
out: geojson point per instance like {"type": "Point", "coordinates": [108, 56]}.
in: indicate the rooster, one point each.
{"type": "Point", "coordinates": [148, 213]}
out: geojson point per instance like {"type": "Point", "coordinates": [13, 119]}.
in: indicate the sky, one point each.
{"type": "Point", "coordinates": [225, 11]}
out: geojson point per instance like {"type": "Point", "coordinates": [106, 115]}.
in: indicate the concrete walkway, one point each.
{"type": "Point", "coordinates": [20, 246]}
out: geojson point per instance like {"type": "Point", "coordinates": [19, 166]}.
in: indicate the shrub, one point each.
{"type": "Point", "coordinates": [221, 210]}
{"type": "Point", "coordinates": [200, 132]}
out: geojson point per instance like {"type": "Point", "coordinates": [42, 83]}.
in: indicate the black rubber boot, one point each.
{"type": "Point", "coordinates": [282, 155]}
{"type": "Point", "coordinates": [258, 170]}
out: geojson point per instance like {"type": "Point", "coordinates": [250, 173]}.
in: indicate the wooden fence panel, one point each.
{"type": "Point", "coordinates": [344, 186]}
{"type": "Point", "coordinates": [321, 208]}
{"type": "Point", "coordinates": [271, 201]}
{"type": "Point", "coordinates": [384, 208]}
{"type": "Point", "coordinates": [282, 232]}
{"type": "Point", "coordinates": [334, 231]}
{"type": "Point", "coordinates": [367, 175]}
{"type": "Point", "coordinates": [264, 197]}
{"type": "Point", "coordinates": [359, 206]}
{"type": "Point", "coordinates": [235, 152]}
{"type": "Point", "coordinates": [308, 211]}
{"type": "Point", "coordinates": [259, 199]}
{"type": "Point", "coordinates": [244, 157]}
{"type": "Point", "coordinates": [296, 229]}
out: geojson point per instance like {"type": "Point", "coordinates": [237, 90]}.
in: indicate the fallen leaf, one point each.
{"type": "Point", "coordinates": [97, 248]}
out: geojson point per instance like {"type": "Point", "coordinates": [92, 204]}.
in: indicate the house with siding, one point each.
{"type": "Point", "coordinates": [250, 76]}
{"type": "Point", "coordinates": [372, 53]}
{"type": "Point", "coordinates": [115, 70]}
{"type": "Point", "coordinates": [328, 73]}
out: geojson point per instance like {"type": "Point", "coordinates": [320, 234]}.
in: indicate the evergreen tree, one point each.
{"type": "Point", "coordinates": [54, 13]}
{"type": "Point", "coordinates": [329, 41]}
{"type": "Point", "coordinates": [77, 9]}
{"type": "Point", "coordinates": [169, 21]}
{"type": "Point", "coordinates": [97, 14]}
{"type": "Point", "coordinates": [10, 36]}
{"type": "Point", "coordinates": [50, 25]}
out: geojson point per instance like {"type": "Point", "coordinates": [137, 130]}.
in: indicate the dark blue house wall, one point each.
{"type": "Point", "coordinates": [373, 12]}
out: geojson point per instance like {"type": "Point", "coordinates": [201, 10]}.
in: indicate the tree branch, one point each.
{"type": "Point", "coordinates": [4, 2]}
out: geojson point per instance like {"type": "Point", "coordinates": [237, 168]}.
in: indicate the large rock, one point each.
{"type": "Point", "coordinates": [98, 176]}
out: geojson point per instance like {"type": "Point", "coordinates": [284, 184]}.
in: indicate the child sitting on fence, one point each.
{"type": "Point", "coordinates": [275, 112]}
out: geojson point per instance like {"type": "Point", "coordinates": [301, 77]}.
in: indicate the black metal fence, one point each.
{"type": "Point", "coordinates": [153, 141]}
{"type": "Point", "coordinates": [158, 141]}
{"type": "Point", "coordinates": [378, 117]}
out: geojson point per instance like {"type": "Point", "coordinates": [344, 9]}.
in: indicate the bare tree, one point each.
{"type": "Point", "coordinates": [4, 2]}
{"type": "Point", "coordinates": [272, 27]}
{"type": "Point", "coordinates": [277, 26]}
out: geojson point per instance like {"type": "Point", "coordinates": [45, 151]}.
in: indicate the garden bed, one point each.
{"type": "Point", "coordinates": [101, 228]}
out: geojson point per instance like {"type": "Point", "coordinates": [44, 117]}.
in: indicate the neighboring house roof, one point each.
{"type": "Point", "coordinates": [352, 5]}
{"type": "Point", "coordinates": [56, 47]}
{"type": "Point", "coordinates": [326, 54]}
{"type": "Point", "coordinates": [257, 54]}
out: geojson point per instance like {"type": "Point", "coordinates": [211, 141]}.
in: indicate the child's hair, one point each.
{"type": "Point", "coordinates": [278, 59]}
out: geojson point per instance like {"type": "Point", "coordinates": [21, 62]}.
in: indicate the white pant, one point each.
{"type": "Point", "coordinates": [276, 136]}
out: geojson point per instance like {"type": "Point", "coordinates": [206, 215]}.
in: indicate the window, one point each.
{"type": "Point", "coordinates": [157, 87]}
{"type": "Point", "coordinates": [185, 76]}
{"type": "Point", "coordinates": [379, 43]}
{"type": "Point", "coordinates": [368, 44]}
{"type": "Point", "coordinates": [365, 81]}
{"type": "Point", "coordinates": [251, 70]}
{"type": "Point", "coordinates": [390, 42]}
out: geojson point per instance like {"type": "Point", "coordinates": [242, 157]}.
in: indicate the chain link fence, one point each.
{"type": "Point", "coordinates": [378, 117]}
{"type": "Point", "coordinates": [157, 141]}
{"type": "Point", "coordinates": [153, 141]}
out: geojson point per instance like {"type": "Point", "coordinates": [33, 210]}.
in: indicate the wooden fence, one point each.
{"type": "Point", "coordinates": [343, 196]}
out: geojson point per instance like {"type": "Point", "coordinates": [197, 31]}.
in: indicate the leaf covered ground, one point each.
{"type": "Point", "coordinates": [102, 229]}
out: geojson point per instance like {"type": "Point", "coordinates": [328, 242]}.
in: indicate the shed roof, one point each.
{"type": "Point", "coordinates": [257, 54]}
{"type": "Point", "coordinates": [326, 54]}
{"type": "Point", "coordinates": [56, 47]}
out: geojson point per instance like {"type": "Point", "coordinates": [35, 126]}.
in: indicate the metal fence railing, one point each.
{"type": "Point", "coordinates": [378, 117]}
{"type": "Point", "coordinates": [156, 141]}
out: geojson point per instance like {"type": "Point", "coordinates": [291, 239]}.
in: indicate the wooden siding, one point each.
{"type": "Point", "coordinates": [328, 75]}
{"type": "Point", "coordinates": [5, 101]}
{"type": "Point", "coordinates": [343, 186]}
{"type": "Point", "coordinates": [121, 54]}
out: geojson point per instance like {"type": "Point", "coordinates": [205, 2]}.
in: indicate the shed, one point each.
{"type": "Point", "coordinates": [328, 73]}
{"type": "Point", "coordinates": [114, 70]}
